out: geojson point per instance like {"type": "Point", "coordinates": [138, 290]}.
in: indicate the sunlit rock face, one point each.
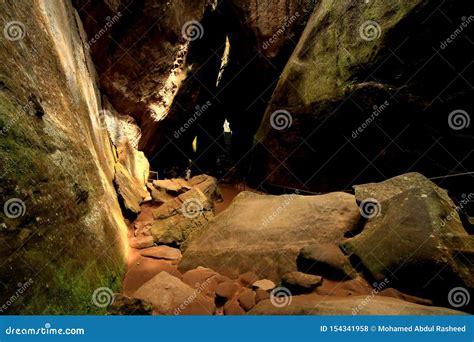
{"type": "Point", "coordinates": [140, 50]}
{"type": "Point", "coordinates": [62, 230]}
{"type": "Point", "coordinates": [367, 94]}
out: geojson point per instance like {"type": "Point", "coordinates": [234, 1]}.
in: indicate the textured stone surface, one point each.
{"type": "Point", "coordinates": [169, 295]}
{"type": "Point", "coordinates": [306, 305]}
{"type": "Point", "coordinates": [417, 240]}
{"type": "Point", "coordinates": [298, 282]}
{"type": "Point", "coordinates": [162, 252]}
{"type": "Point", "coordinates": [344, 79]}
{"type": "Point", "coordinates": [264, 234]}
{"type": "Point", "coordinates": [123, 305]}
{"type": "Point", "coordinates": [129, 189]}
{"type": "Point", "coordinates": [57, 159]}
{"type": "Point", "coordinates": [326, 260]}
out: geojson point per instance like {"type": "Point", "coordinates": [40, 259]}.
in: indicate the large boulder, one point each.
{"type": "Point", "coordinates": [414, 237]}
{"type": "Point", "coordinates": [358, 305]}
{"type": "Point", "coordinates": [208, 186]}
{"type": "Point", "coordinates": [326, 260]}
{"type": "Point", "coordinates": [354, 93]}
{"type": "Point", "coordinates": [265, 233]}
{"type": "Point", "coordinates": [177, 229]}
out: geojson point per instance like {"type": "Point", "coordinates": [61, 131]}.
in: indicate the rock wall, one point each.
{"type": "Point", "coordinates": [367, 94]}
{"type": "Point", "coordinates": [179, 85]}
{"type": "Point", "coordinates": [62, 230]}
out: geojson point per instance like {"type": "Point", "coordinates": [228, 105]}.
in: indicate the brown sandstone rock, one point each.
{"type": "Point", "coordinates": [298, 282]}
{"type": "Point", "coordinates": [226, 290]}
{"type": "Point", "coordinates": [265, 233]}
{"type": "Point", "coordinates": [141, 242]}
{"type": "Point", "coordinates": [130, 190]}
{"type": "Point", "coordinates": [264, 284]}
{"type": "Point", "coordinates": [233, 308]}
{"type": "Point", "coordinates": [247, 299]}
{"type": "Point", "coordinates": [326, 260]}
{"type": "Point", "coordinates": [169, 295]}
{"type": "Point", "coordinates": [162, 252]}
{"type": "Point", "coordinates": [358, 305]}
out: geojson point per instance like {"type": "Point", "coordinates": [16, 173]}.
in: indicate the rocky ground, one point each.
{"type": "Point", "coordinates": [200, 249]}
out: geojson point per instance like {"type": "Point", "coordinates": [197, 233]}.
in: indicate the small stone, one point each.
{"type": "Point", "coordinates": [197, 277]}
{"type": "Point", "coordinates": [261, 295]}
{"type": "Point", "coordinates": [226, 290]}
{"type": "Point", "coordinates": [141, 242]}
{"type": "Point", "coordinates": [221, 279]}
{"type": "Point", "coordinates": [248, 278]}
{"type": "Point", "coordinates": [162, 252]}
{"type": "Point", "coordinates": [247, 299]}
{"type": "Point", "coordinates": [264, 284]}
{"type": "Point", "coordinates": [233, 308]}
{"type": "Point", "coordinates": [298, 282]}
